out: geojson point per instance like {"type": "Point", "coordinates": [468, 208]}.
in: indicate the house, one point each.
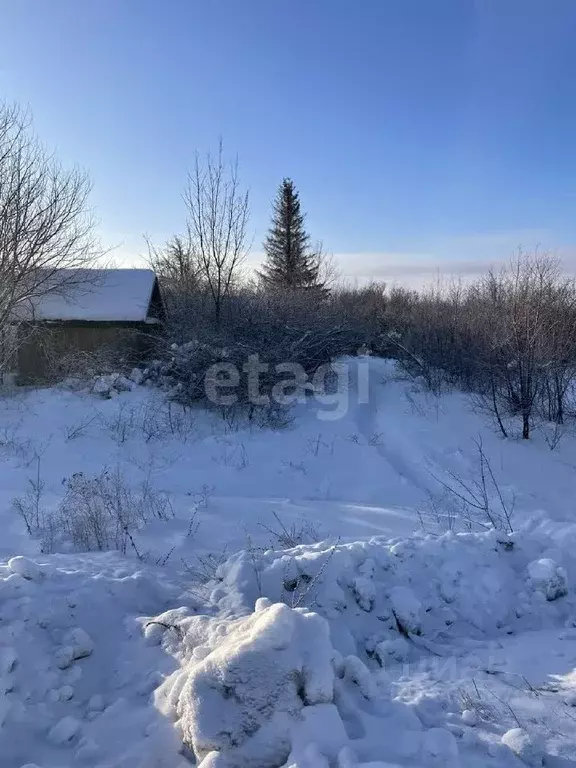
{"type": "Point", "coordinates": [103, 311]}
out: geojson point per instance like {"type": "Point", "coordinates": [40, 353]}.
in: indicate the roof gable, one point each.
{"type": "Point", "coordinates": [107, 295]}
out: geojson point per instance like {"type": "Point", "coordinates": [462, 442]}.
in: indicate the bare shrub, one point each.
{"type": "Point", "coordinates": [121, 424]}
{"type": "Point", "coordinates": [474, 701]}
{"type": "Point", "coordinates": [362, 310]}
{"type": "Point", "coordinates": [509, 337]}
{"type": "Point", "coordinates": [522, 305]}
{"type": "Point", "coordinates": [232, 455]}
{"type": "Point", "coordinates": [151, 422]}
{"type": "Point", "coordinates": [201, 498]}
{"type": "Point", "coordinates": [12, 444]}
{"type": "Point", "coordinates": [78, 429]}
{"type": "Point", "coordinates": [29, 507]}
{"type": "Point", "coordinates": [479, 502]}
{"type": "Point", "coordinates": [177, 264]}
{"type": "Point", "coordinates": [288, 537]}
{"type": "Point", "coordinates": [180, 420]}
{"type": "Point", "coordinates": [69, 362]}
{"type": "Point", "coordinates": [205, 568]}
{"type": "Point", "coordinates": [426, 332]}
{"type": "Point", "coordinates": [97, 513]}
{"type": "Point", "coordinates": [301, 590]}
{"type": "Point", "coordinates": [262, 333]}
{"type": "Point", "coordinates": [553, 437]}
{"type": "Point", "coordinates": [437, 515]}
{"type": "Point", "coordinates": [157, 420]}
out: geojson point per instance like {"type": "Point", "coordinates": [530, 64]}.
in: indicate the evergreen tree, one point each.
{"type": "Point", "coordinates": [290, 263]}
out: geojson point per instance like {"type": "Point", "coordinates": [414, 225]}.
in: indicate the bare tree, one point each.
{"type": "Point", "coordinates": [46, 232]}
{"type": "Point", "coordinates": [329, 273]}
{"type": "Point", "coordinates": [217, 219]}
{"type": "Point", "coordinates": [184, 289]}
{"type": "Point", "coordinates": [176, 264]}
{"type": "Point", "coordinates": [521, 318]}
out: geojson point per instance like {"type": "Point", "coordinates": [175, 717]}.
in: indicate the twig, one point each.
{"type": "Point", "coordinates": [317, 577]}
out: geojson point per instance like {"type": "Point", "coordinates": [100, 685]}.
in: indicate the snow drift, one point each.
{"type": "Point", "coordinates": [308, 674]}
{"type": "Point", "coordinates": [467, 585]}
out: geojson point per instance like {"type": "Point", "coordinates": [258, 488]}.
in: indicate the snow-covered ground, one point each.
{"type": "Point", "coordinates": [371, 643]}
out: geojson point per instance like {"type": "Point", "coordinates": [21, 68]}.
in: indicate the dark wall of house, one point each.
{"type": "Point", "coordinates": [52, 351]}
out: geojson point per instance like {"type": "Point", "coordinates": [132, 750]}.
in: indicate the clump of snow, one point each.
{"type": "Point", "coordinates": [80, 642]}
{"type": "Point", "coordinates": [470, 717]}
{"type": "Point", "coordinates": [26, 568]}
{"type": "Point", "coordinates": [109, 385]}
{"type": "Point", "coordinates": [525, 746]}
{"type": "Point", "coordinates": [102, 385]}
{"type": "Point", "coordinates": [319, 734]}
{"type": "Point", "coordinates": [66, 693]}
{"type": "Point", "coordinates": [245, 693]}
{"type": "Point", "coordinates": [386, 603]}
{"type": "Point", "coordinates": [365, 592]}
{"type": "Point", "coordinates": [136, 375]}
{"type": "Point", "coordinates": [406, 608]}
{"type": "Point", "coordinates": [356, 671]}
{"type": "Point", "coordinates": [64, 731]}
{"type": "Point", "coordinates": [52, 707]}
{"type": "Point", "coordinates": [64, 656]}
{"type": "Point", "coordinates": [548, 577]}
{"type": "Point", "coordinates": [439, 749]}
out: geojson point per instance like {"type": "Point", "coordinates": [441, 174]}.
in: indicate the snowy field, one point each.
{"type": "Point", "coordinates": [306, 596]}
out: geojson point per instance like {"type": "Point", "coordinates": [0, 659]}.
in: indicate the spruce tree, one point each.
{"type": "Point", "coordinates": [290, 263]}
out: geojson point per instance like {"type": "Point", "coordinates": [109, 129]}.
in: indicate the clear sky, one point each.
{"type": "Point", "coordinates": [420, 133]}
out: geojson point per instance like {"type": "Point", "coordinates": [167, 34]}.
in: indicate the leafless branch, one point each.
{"type": "Point", "coordinates": [46, 230]}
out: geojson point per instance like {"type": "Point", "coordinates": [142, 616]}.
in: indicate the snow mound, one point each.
{"type": "Point", "coordinates": [26, 568]}
{"type": "Point", "coordinates": [385, 599]}
{"type": "Point", "coordinates": [269, 690]}
{"type": "Point", "coordinates": [239, 701]}
{"type": "Point", "coordinates": [304, 658]}
{"type": "Point", "coordinates": [525, 746]}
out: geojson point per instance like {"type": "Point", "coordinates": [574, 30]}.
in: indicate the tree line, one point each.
{"type": "Point", "coordinates": [509, 337]}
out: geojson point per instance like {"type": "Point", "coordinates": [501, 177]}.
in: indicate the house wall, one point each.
{"type": "Point", "coordinates": [49, 351]}
{"type": "Point", "coordinates": [8, 350]}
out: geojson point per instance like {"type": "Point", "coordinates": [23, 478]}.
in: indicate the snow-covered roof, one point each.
{"type": "Point", "coordinates": [106, 295]}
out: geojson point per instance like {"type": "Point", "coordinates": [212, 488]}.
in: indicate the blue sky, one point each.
{"type": "Point", "coordinates": [420, 134]}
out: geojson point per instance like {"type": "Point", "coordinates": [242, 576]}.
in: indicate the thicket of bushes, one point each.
{"type": "Point", "coordinates": [509, 337]}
